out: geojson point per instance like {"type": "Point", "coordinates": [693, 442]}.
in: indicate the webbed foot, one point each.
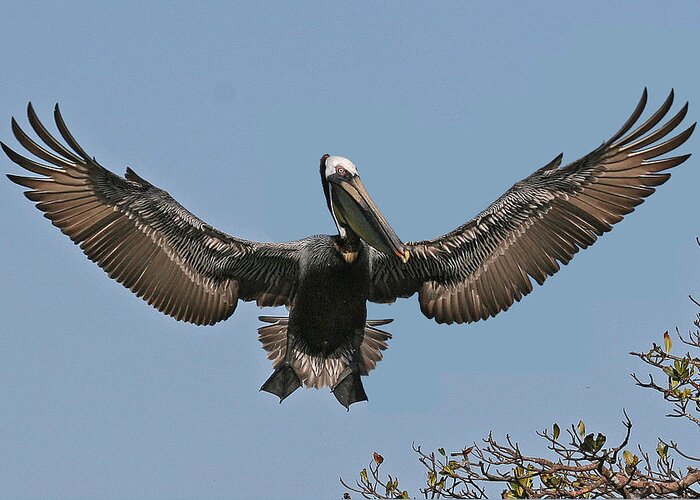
{"type": "Point", "coordinates": [349, 389]}
{"type": "Point", "coordinates": [282, 382]}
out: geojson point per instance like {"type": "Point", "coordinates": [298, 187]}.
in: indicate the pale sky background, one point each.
{"type": "Point", "coordinates": [229, 106]}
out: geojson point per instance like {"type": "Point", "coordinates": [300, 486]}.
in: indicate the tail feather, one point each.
{"type": "Point", "coordinates": [378, 322]}
{"type": "Point", "coordinates": [316, 371]}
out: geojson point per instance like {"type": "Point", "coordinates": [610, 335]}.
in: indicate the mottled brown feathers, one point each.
{"type": "Point", "coordinates": [484, 266]}
{"type": "Point", "coordinates": [147, 241]}
{"type": "Point", "coordinates": [143, 238]}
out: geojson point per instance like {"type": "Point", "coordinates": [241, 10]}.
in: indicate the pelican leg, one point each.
{"type": "Point", "coordinates": [284, 379]}
{"type": "Point", "coordinates": [349, 389]}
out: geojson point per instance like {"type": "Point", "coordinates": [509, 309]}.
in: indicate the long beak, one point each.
{"type": "Point", "coordinates": [354, 207]}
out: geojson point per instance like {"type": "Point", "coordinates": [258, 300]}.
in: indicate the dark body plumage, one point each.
{"type": "Point", "coordinates": [327, 322]}
{"type": "Point", "coordinates": [332, 298]}
{"type": "Point", "coordinates": [193, 272]}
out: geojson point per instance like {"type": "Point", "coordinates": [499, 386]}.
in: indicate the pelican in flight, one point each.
{"type": "Point", "coordinates": [193, 272]}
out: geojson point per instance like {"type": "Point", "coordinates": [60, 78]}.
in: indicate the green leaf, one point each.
{"type": "Point", "coordinates": [630, 458]}
{"type": "Point", "coordinates": [432, 478]}
{"type": "Point", "coordinates": [588, 444]}
{"type": "Point", "coordinates": [592, 444]}
{"type": "Point", "coordinates": [662, 449]}
{"type": "Point", "coordinates": [441, 451]}
{"type": "Point", "coordinates": [516, 489]}
{"type": "Point", "coordinates": [391, 486]}
{"type": "Point", "coordinates": [556, 431]}
{"type": "Point", "coordinates": [667, 342]}
{"type": "Point", "coordinates": [600, 441]}
{"type": "Point", "coordinates": [363, 476]}
{"type": "Point", "coordinates": [449, 469]}
{"type": "Point", "coordinates": [581, 428]}
{"type": "Point", "coordinates": [550, 480]}
{"type": "Point", "coordinates": [404, 494]}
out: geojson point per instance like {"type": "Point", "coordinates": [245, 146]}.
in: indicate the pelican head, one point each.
{"type": "Point", "coordinates": [353, 210]}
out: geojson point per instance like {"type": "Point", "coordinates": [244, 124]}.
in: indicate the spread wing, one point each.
{"type": "Point", "coordinates": [146, 240]}
{"type": "Point", "coordinates": [482, 267]}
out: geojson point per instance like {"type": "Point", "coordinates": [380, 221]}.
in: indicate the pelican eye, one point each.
{"type": "Point", "coordinates": [340, 171]}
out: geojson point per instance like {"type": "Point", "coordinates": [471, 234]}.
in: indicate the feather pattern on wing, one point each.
{"type": "Point", "coordinates": [144, 239]}
{"type": "Point", "coordinates": [485, 265]}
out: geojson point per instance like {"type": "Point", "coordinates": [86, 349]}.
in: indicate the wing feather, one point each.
{"type": "Point", "coordinates": [486, 265]}
{"type": "Point", "coordinates": [143, 238]}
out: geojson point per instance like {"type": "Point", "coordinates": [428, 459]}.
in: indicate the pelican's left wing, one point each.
{"type": "Point", "coordinates": [145, 239]}
{"type": "Point", "coordinates": [482, 267]}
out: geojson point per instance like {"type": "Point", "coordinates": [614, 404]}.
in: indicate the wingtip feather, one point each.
{"type": "Point", "coordinates": [18, 179]}
{"type": "Point", "coordinates": [9, 152]}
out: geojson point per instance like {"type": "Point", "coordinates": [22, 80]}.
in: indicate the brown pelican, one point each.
{"type": "Point", "coordinates": [193, 272]}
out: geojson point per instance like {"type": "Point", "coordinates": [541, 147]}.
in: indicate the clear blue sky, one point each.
{"type": "Point", "coordinates": [229, 106]}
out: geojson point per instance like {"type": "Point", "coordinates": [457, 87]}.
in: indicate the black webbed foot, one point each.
{"type": "Point", "coordinates": [282, 382]}
{"type": "Point", "coordinates": [349, 389]}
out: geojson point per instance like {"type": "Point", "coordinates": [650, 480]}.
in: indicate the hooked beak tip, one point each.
{"type": "Point", "coordinates": [404, 256]}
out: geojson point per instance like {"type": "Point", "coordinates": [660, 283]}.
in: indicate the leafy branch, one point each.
{"type": "Point", "coordinates": [580, 464]}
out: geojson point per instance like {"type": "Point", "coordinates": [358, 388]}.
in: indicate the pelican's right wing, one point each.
{"type": "Point", "coordinates": [145, 239]}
